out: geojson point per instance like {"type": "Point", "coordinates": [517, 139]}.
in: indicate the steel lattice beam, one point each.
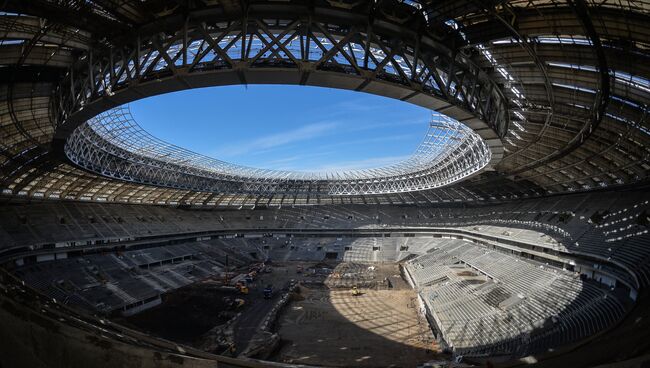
{"type": "Point", "coordinates": [114, 145]}
{"type": "Point", "coordinates": [339, 50]}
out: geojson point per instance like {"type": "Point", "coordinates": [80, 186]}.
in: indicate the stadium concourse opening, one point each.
{"type": "Point", "coordinates": [483, 199]}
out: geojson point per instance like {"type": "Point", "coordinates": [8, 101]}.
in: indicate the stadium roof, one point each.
{"type": "Point", "coordinates": [558, 90]}
{"type": "Point", "coordinates": [114, 145]}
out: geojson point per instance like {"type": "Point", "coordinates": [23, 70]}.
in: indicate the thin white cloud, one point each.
{"type": "Point", "coordinates": [284, 162]}
{"type": "Point", "coordinates": [313, 161]}
{"type": "Point", "coordinates": [369, 163]}
{"type": "Point", "coordinates": [379, 109]}
{"type": "Point", "coordinates": [373, 141]}
{"type": "Point", "coordinates": [386, 138]}
{"type": "Point", "coordinates": [303, 133]}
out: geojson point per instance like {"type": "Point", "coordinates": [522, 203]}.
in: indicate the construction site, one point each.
{"type": "Point", "coordinates": [310, 313]}
{"type": "Point", "coordinates": [359, 314]}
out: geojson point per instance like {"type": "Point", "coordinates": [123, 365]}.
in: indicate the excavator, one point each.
{"type": "Point", "coordinates": [233, 303]}
{"type": "Point", "coordinates": [242, 288]}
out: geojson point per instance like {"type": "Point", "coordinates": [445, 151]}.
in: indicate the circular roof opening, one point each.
{"type": "Point", "coordinates": [288, 128]}
{"type": "Point", "coordinates": [115, 145]}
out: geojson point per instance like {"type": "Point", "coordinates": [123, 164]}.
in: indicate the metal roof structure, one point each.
{"type": "Point", "coordinates": [557, 90]}
{"type": "Point", "coordinates": [114, 145]}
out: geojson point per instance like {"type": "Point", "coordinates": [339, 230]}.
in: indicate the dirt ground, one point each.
{"type": "Point", "coordinates": [185, 314]}
{"type": "Point", "coordinates": [379, 328]}
{"type": "Point", "coordinates": [324, 325]}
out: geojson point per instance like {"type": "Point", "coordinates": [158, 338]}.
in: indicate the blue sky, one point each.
{"type": "Point", "coordinates": [286, 127]}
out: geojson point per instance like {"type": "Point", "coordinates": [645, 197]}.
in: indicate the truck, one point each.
{"type": "Point", "coordinates": [268, 292]}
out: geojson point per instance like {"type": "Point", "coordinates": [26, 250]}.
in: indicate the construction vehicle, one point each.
{"type": "Point", "coordinates": [250, 277]}
{"type": "Point", "coordinates": [268, 292]}
{"type": "Point", "coordinates": [239, 302]}
{"type": "Point", "coordinates": [233, 303]}
{"type": "Point", "coordinates": [355, 291]}
{"type": "Point", "coordinates": [242, 288]}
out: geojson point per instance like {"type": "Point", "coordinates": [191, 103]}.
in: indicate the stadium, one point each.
{"type": "Point", "coordinates": [515, 234]}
